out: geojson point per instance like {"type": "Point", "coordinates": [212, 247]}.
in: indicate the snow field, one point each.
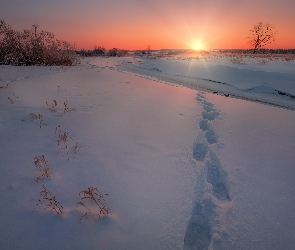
{"type": "Point", "coordinates": [272, 83]}
{"type": "Point", "coordinates": [183, 169]}
{"type": "Point", "coordinates": [125, 149]}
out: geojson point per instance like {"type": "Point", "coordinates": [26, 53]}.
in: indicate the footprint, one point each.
{"type": "Point", "coordinates": [210, 115]}
{"type": "Point", "coordinates": [216, 176]}
{"type": "Point", "coordinates": [204, 125]}
{"type": "Point", "coordinates": [201, 98]}
{"type": "Point", "coordinates": [200, 149]}
{"type": "Point", "coordinates": [198, 234]}
{"type": "Point", "coordinates": [208, 106]}
{"type": "Point", "coordinates": [211, 136]}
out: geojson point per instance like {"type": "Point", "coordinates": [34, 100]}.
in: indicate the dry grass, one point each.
{"type": "Point", "coordinates": [49, 201]}
{"type": "Point", "coordinates": [75, 148]}
{"type": "Point", "coordinates": [233, 56]}
{"type": "Point", "coordinates": [43, 166]}
{"type": "Point", "coordinates": [38, 117]}
{"type": "Point", "coordinates": [54, 106]}
{"type": "Point", "coordinates": [94, 203]}
{"type": "Point", "coordinates": [66, 107]}
{"type": "Point", "coordinates": [10, 100]}
{"type": "Point", "coordinates": [64, 143]}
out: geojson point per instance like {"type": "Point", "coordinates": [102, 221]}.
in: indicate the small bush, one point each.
{"type": "Point", "coordinates": [97, 51]}
{"type": "Point", "coordinates": [117, 52]}
{"type": "Point", "coordinates": [33, 47]}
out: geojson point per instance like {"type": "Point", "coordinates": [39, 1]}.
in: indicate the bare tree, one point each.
{"type": "Point", "coordinates": [261, 35]}
{"type": "Point", "coordinates": [148, 48]}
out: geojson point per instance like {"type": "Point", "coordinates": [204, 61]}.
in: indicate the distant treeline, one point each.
{"type": "Point", "coordinates": [33, 47]}
{"type": "Point", "coordinates": [101, 51]}
{"type": "Point", "coordinates": [261, 51]}
{"type": "Point", "coordinates": [38, 47]}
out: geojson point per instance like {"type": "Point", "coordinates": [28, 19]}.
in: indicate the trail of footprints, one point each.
{"type": "Point", "coordinates": [205, 218]}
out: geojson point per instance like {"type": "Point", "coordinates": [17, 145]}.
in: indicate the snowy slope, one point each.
{"type": "Point", "coordinates": [183, 169]}
{"type": "Point", "coordinates": [245, 187]}
{"type": "Point", "coordinates": [272, 82]}
{"type": "Point", "coordinates": [124, 126]}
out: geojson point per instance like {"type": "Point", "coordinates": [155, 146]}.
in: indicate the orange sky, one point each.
{"type": "Point", "coordinates": [134, 24]}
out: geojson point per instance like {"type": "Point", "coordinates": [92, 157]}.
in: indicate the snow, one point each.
{"type": "Point", "coordinates": [183, 168]}
{"type": "Point", "coordinates": [271, 82]}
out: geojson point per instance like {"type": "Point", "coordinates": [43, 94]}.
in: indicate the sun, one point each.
{"type": "Point", "coordinates": [197, 47]}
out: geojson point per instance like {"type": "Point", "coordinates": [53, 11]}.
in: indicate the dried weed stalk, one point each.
{"type": "Point", "coordinates": [39, 117]}
{"type": "Point", "coordinates": [43, 166]}
{"type": "Point", "coordinates": [49, 200]}
{"type": "Point", "coordinates": [53, 106]}
{"type": "Point", "coordinates": [66, 109]}
{"type": "Point", "coordinates": [11, 101]}
{"type": "Point", "coordinates": [75, 148]}
{"type": "Point", "coordinates": [92, 198]}
{"type": "Point", "coordinates": [63, 141]}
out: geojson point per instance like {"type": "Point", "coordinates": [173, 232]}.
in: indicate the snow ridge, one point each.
{"type": "Point", "coordinates": [261, 91]}
{"type": "Point", "coordinates": [212, 188]}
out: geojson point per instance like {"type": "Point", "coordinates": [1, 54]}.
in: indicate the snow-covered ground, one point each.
{"type": "Point", "coordinates": [183, 168]}
{"type": "Point", "coordinates": [257, 79]}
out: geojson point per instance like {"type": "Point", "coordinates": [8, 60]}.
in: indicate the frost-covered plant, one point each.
{"type": "Point", "coordinates": [34, 47]}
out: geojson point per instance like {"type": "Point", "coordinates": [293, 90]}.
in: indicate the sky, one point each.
{"type": "Point", "coordinates": [162, 24]}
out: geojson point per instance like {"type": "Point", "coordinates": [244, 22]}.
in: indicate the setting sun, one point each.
{"type": "Point", "coordinates": [197, 47]}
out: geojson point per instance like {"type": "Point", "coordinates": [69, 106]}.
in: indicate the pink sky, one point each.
{"type": "Point", "coordinates": [134, 24]}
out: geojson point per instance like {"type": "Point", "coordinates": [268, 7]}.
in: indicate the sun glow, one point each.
{"type": "Point", "coordinates": [197, 47]}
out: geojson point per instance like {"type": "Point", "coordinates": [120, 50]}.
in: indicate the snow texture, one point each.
{"type": "Point", "coordinates": [183, 168]}
{"type": "Point", "coordinates": [270, 83]}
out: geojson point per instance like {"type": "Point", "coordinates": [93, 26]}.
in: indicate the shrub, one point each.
{"type": "Point", "coordinates": [113, 52]}
{"type": "Point", "coordinates": [117, 52]}
{"type": "Point", "coordinates": [97, 51]}
{"type": "Point", "coordinates": [33, 47]}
